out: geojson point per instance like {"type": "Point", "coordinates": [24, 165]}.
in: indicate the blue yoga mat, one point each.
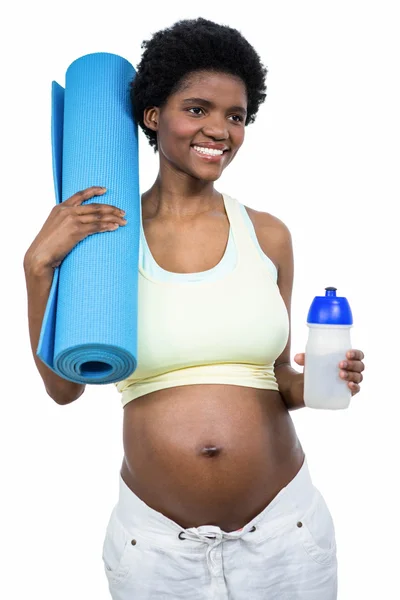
{"type": "Point", "coordinates": [89, 329]}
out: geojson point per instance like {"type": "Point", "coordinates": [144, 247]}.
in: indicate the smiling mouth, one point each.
{"type": "Point", "coordinates": [209, 154]}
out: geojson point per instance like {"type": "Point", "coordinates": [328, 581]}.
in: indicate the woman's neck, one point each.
{"type": "Point", "coordinates": [180, 199]}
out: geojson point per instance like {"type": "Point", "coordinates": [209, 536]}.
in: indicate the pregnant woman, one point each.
{"type": "Point", "coordinates": [215, 497]}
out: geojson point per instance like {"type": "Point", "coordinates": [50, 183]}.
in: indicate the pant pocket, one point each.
{"type": "Point", "coordinates": [118, 548]}
{"type": "Point", "coordinates": [317, 531]}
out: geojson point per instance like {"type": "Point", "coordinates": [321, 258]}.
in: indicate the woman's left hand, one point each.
{"type": "Point", "coordinates": [350, 368]}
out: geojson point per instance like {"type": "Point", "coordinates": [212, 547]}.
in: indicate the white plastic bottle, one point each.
{"type": "Point", "coordinates": [329, 321]}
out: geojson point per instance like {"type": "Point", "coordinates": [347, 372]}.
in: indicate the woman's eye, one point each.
{"type": "Point", "coordinates": [196, 108]}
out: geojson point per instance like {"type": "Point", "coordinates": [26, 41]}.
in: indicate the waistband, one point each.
{"type": "Point", "coordinates": [144, 522]}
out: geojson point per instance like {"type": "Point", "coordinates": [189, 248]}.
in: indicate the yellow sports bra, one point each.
{"type": "Point", "coordinates": [219, 326]}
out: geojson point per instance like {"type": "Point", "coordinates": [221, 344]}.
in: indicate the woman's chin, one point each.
{"type": "Point", "coordinates": [207, 174]}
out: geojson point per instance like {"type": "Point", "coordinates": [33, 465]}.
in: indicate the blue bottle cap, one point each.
{"type": "Point", "coordinates": [330, 309]}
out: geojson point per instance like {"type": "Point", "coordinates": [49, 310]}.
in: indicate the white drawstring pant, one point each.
{"type": "Point", "coordinates": [287, 552]}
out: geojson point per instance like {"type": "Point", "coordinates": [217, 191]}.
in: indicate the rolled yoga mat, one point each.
{"type": "Point", "coordinates": [89, 329]}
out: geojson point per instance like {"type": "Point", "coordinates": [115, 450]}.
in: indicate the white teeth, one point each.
{"type": "Point", "coordinates": [209, 151]}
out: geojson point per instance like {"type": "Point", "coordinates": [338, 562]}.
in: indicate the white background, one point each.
{"type": "Point", "coordinates": [323, 156]}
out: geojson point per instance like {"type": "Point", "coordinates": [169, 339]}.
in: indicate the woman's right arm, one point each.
{"type": "Point", "coordinates": [68, 223]}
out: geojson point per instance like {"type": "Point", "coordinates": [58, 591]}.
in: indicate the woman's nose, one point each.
{"type": "Point", "coordinates": [216, 127]}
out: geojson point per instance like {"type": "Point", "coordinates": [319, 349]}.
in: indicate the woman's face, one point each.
{"type": "Point", "coordinates": [201, 126]}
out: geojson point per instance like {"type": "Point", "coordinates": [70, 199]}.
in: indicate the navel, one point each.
{"type": "Point", "coordinates": [210, 451]}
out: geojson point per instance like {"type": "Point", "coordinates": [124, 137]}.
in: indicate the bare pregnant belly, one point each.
{"type": "Point", "coordinates": [209, 454]}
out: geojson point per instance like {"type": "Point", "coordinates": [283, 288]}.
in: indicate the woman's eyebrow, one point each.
{"type": "Point", "coordinates": [238, 109]}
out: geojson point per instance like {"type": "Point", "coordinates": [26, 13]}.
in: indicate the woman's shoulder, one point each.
{"type": "Point", "coordinates": [268, 227]}
{"type": "Point", "coordinates": [274, 238]}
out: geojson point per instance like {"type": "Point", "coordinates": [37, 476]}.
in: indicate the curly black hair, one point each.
{"type": "Point", "coordinates": [188, 46]}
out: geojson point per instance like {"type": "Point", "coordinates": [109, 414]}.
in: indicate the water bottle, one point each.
{"type": "Point", "coordinates": [329, 321]}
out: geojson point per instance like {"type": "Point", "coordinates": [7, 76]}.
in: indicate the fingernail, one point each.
{"type": "Point", "coordinates": [351, 354]}
{"type": "Point", "coordinates": [343, 374]}
{"type": "Point", "coordinates": [343, 364]}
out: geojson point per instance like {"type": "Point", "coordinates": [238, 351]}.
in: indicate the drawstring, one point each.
{"type": "Point", "coordinates": [213, 540]}
{"type": "Point", "coordinates": [181, 535]}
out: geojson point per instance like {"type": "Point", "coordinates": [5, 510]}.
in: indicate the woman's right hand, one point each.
{"type": "Point", "coordinates": [68, 223]}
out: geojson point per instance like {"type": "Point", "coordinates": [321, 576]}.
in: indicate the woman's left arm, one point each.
{"type": "Point", "coordinates": [290, 381]}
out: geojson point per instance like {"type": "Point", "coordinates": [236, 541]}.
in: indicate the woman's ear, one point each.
{"type": "Point", "coordinates": [151, 116]}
